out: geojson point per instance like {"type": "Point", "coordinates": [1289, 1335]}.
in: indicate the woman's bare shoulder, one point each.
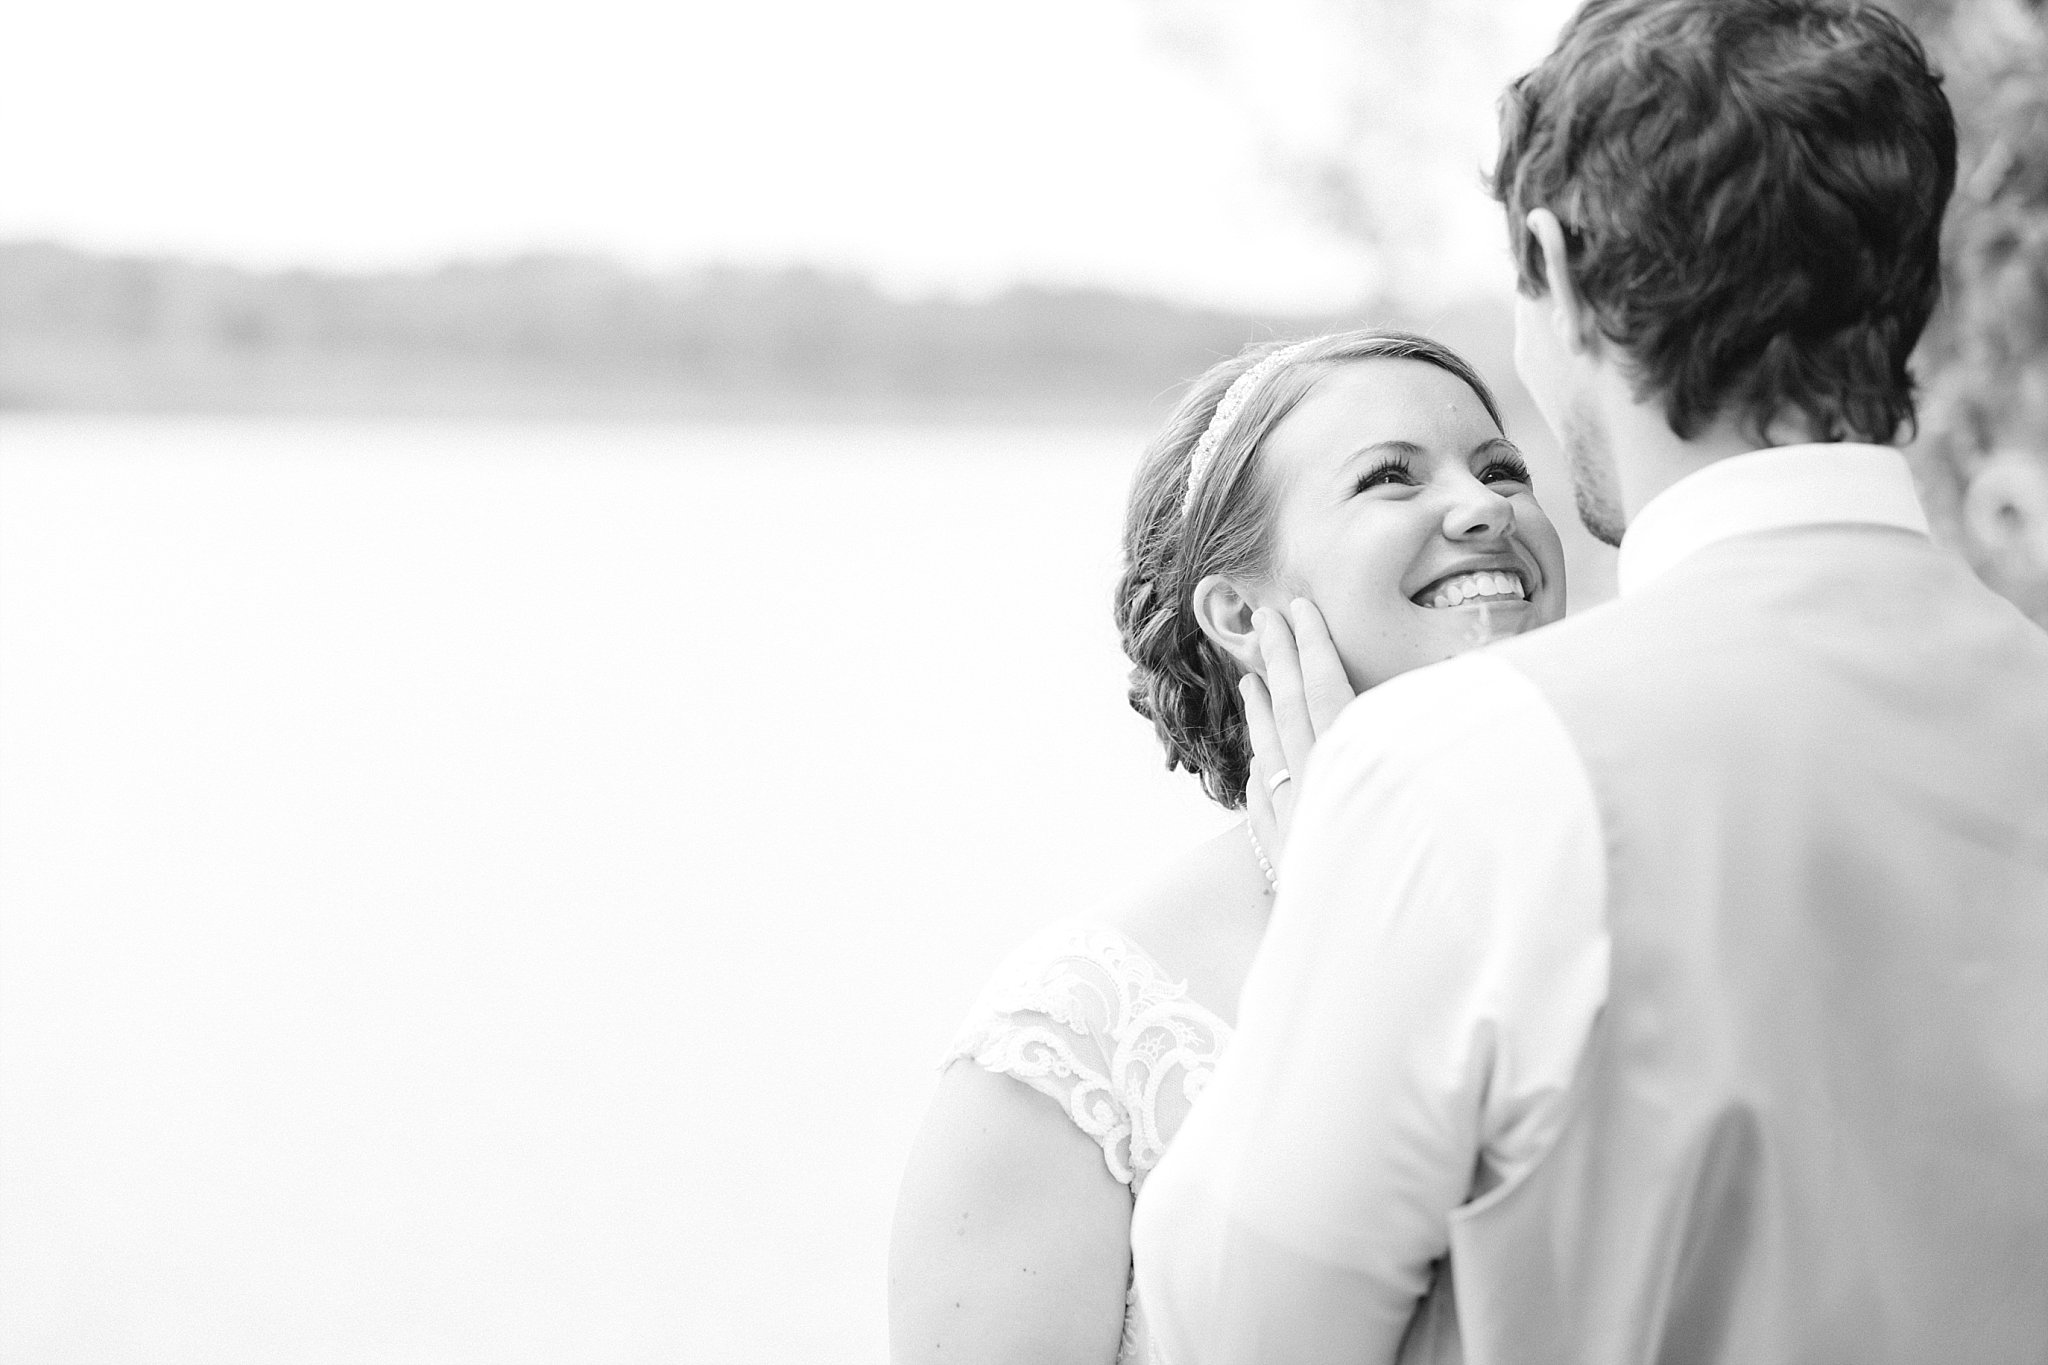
{"type": "Point", "coordinates": [1200, 918]}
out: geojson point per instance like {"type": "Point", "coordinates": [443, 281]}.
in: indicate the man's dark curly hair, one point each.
{"type": "Point", "coordinates": [1752, 194]}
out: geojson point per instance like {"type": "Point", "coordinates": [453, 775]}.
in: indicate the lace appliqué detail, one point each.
{"type": "Point", "coordinates": [1084, 1016]}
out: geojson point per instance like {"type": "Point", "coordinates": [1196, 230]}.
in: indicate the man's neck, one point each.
{"type": "Point", "coordinates": [1649, 457]}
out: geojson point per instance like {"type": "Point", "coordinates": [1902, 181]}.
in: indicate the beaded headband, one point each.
{"type": "Point", "coordinates": [1234, 397]}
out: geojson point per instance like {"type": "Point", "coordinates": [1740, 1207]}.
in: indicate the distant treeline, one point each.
{"type": "Point", "coordinates": [555, 335]}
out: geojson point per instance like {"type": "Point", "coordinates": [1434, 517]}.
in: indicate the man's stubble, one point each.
{"type": "Point", "coordinates": [1596, 489]}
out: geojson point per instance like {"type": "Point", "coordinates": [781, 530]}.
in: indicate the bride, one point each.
{"type": "Point", "coordinates": [1316, 518]}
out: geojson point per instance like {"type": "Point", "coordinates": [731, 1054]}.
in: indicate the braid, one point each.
{"type": "Point", "coordinates": [1174, 683]}
{"type": "Point", "coordinates": [1179, 680]}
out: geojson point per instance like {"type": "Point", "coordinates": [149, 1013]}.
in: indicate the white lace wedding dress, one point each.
{"type": "Point", "coordinates": [1082, 1015]}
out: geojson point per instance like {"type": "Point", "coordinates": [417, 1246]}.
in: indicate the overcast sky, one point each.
{"type": "Point", "coordinates": [939, 146]}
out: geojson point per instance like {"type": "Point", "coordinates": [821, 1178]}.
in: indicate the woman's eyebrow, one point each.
{"type": "Point", "coordinates": [1492, 441]}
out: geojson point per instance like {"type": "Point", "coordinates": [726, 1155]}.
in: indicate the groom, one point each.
{"type": "Point", "coordinates": [1670, 984]}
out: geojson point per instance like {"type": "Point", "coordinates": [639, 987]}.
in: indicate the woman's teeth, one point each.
{"type": "Point", "coordinates": [1478, 587]}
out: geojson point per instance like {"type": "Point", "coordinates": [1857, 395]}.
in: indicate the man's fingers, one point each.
{"type": "Point", "coordinates": [1325, 687]}
{"type": "Point", "coordinates": [1287, 700]}
{"type": "Point", "coordinates": [1267, 757]}
{"type": "Point", "coordinates": [1263, 805]}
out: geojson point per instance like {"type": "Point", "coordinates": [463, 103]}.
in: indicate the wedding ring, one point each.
{"type": "Point", "coordinates": [1274, 782]}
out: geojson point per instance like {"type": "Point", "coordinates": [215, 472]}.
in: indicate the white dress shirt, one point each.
{"type": "Point", "coordinates": [1436, 961]}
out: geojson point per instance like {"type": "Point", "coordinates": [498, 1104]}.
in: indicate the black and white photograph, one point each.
{"type": "Point", "coordinates": [1154, 682]}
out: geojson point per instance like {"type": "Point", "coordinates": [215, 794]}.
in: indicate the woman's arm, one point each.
{"type": "Point", "coordinates": [1012, 1240]}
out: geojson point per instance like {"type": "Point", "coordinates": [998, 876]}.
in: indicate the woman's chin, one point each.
{"type": "Point", "coordinates": [1433, 634]}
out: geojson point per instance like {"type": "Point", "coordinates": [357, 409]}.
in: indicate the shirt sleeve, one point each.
{"type": "Point", "coordinates": [1407, 1038]}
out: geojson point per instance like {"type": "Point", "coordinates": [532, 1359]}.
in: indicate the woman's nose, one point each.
{"type": "Point", "coordinates": [1478, 513]}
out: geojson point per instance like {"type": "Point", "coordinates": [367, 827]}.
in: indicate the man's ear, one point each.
{"type": "Point", "coordinates": [1225, 616]}
{"type": "Point", "coordinates": [1569, 318]}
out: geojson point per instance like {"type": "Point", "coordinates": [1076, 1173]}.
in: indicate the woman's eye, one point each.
{"type": "Point", "coordinates": [1505, 471]}
{"type": "Point", "coordinates": [1386, 473]}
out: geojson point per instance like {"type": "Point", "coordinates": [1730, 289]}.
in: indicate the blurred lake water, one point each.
{"type": "Point", "coordinates": [495, 894]}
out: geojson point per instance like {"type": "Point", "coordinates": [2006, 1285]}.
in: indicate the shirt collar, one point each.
{"type": "Point", "coordinates": [1768, 490]}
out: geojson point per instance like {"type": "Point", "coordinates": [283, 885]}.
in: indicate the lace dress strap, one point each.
{"type": "Point", "coordinates": [1085, 1017]}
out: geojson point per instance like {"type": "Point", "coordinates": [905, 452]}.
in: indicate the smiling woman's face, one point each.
{"type": "Point", "coordinates": [1406, 516]}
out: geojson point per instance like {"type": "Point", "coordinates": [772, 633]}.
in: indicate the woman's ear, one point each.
{"type": "Point", "coordinates": [1568, 316]}
{"type": "Point", "coordinates": [1225, 616]}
